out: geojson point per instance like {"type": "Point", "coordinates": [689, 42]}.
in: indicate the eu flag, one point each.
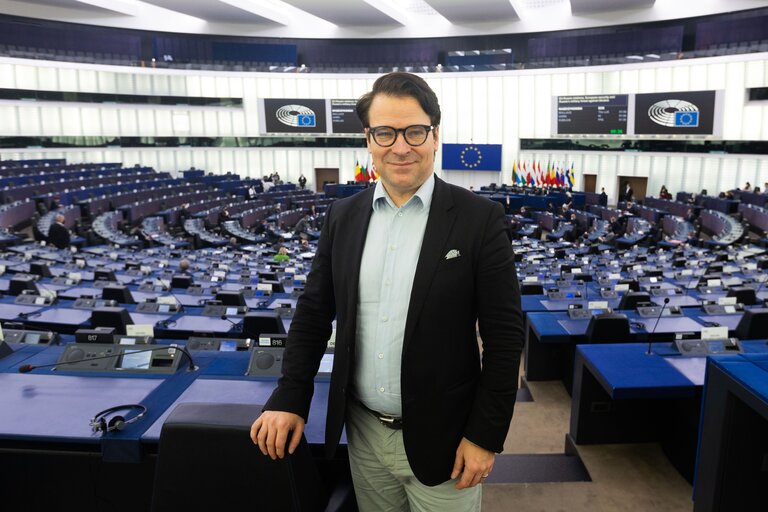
{"type": "Point", "coordinates": [472, 157]}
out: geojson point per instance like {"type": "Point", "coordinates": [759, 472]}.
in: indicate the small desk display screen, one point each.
{"type": "Point", "coordinates": [228, 346]}
{"type": "Point", "coordinates": [135, 360]}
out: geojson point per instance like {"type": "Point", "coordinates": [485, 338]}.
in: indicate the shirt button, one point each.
{"type": "Point", "coordinates": [384, 318]}
{"type": "Point", "coordinates": [399, 214]}
{"type": "Point", "coordinates": [381, 390]}
{"type": "Point", "coordinates": [381, 356]}
{"type": "Point", "coordinates": [392, 247]}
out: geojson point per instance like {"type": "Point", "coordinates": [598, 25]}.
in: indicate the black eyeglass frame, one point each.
{"type": "Point", "coordinates": [372, 132]}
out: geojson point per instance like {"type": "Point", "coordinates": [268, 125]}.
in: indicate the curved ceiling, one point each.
{"type": "Point", "coordinates": [337, 19]}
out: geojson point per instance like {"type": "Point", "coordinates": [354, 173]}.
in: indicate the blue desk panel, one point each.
{"type": "Point", "coordinates": [60, 407]}
{"type": "Point", "coordinates": [247, 392]}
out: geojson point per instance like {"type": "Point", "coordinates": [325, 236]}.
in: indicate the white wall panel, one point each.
{"type": "Point", "coordinates": [8, 76]}
{"type": "Point", "coordinates": [47, 79]}
{"type": "Point", "coordinates": [128, 124]}
{"type": "Point", "coordinates": [26, 77]}
{"type": "Point", "coordinates": [526, 111]}
{"type": "Point", "coordinates": [735, 96]}
{"type": "Point", "coordinates": [87, 80]}
{"type": "Point", "coordinates": [142, 84]}
{"type": "Point", "coordinates": [754, 75]}
{"type": "Point", "coordinates": [52, 117]}
{"type": "Point", "coordinates": [9, 118]}
{"type": "Point", "coordinates": [485, 108]}
{"type": "Point", "coordinates": [91, 121]}
{"type": "Point", "coordinates": [709, 174]}
{"type": "Point", "coordinates": [450, 122]}
{"type": "Point", "coordinates": [29, 121]}
{"type": "Point", "coordinates": [663, 79]}
{"type": "Point", "coordinates": [542, 103]}
{"type": "Point", "coordinates": [147, 124]}
{"type": "Point", "coordinates": [107, 82]}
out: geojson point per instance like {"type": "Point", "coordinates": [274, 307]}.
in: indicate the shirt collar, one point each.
{"type": "Point", "coordinates": [423, 195]}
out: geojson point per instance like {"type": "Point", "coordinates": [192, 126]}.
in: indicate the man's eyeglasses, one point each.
{"type": "Point", "coordinates": [414, 135]}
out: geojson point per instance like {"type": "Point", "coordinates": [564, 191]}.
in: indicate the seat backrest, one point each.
{"type": "Point", "coordinates": [744, 295]}
{"type": "Point", "coordinates": [608, 328]}
{"type": "Point", "coordinates": [753, 324]}
{"type": "Point", "coordinates": [531, 289]}
{"type": "Point", "coordinates": [630, 300]}
{"type": "Point", "coordinates": [206, 461]}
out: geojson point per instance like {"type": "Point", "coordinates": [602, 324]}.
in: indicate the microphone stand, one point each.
{"type": "Point", "coordinates": [653, 331]}
{"type": "Point", "coordinates": [26, 368]}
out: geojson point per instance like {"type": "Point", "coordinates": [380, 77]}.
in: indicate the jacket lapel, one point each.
{"type": "Point", "coordinates": [439, 224]}
{"type": "Point", "coordinates": [354, 232]}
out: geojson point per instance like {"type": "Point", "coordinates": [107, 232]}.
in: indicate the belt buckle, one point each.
{"type": "Point", "coordinates": [390, 422]}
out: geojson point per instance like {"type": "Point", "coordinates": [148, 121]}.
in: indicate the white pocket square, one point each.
{"type": "Point", "coordinates": [453, 253]}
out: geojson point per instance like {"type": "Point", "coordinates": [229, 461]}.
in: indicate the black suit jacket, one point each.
{"type": "Point", "coordinates": [445, 395]}
{"type": "Point", "coordinates": [58, 235]}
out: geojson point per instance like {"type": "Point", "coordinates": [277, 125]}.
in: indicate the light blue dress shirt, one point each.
{"type": "Point", "coordinates": [392, 248]}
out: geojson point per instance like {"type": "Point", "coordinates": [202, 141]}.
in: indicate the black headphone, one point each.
{"type": "Point", "coordinates": [99, 422]}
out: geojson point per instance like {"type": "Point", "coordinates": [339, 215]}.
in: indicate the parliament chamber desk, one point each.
{"type": "Point", "coordinates": [732, 462]}
{"type": "Point", "coordinates": [622, 394]}
{"type": "Point", "coordinates": [50, 456]}
{"type": "Point", "coordinates": [551, 337]}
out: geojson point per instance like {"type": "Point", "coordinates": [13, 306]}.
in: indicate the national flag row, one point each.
{"type": "Point", "coordinates": [365, 171]}
{"type": "Point", "coordinates": [531, 174]}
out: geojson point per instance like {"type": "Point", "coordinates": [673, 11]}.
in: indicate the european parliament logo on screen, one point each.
{"type": "Point", "coordinates": [472, 157]}
{"type": "Point", "coordinates": [293, 115]}
{"type": "Point", "coordinates": [676, 113]}
{"type": "Point", "coordinates": [296, 115]}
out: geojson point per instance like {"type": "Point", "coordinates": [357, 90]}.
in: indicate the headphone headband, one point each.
{"type": "Point", "coordinates": [99, 421]}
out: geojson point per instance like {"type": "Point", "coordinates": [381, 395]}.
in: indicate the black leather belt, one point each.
{"type": "Point", "coordinates": [387, 421]}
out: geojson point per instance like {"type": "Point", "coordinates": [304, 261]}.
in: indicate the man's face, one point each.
{"type": "Point", "coordinates": [403, 168]}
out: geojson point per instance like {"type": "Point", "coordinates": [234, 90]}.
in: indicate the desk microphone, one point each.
{"type": "Point", "coordinates": [51, 294]}
{"type": "Point", "coordinates": [170, 290]}
{"type": "Point", "coordinates": [693, 276]}
{"type": "Point", "coordinates": [239, 326]}
{"type": "Point", "coordinates": [759, 287]}
{"type": "Point", "coordinates": [24, 316]}
{"type": "Point", "coordinates": [661, 312]}
{"type": "Point", "coordinates": [26, 368]}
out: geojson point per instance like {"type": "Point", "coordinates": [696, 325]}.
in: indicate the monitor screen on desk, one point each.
{"type": "Point", "coordinates": [228, 346]}
{"type": "Point", "coordinates": [231, 311]}
{"type": "Point", "coordinates": [135, 359]}
{"type": "Point", "coordinates": [163, 308]}
{"type": "Point", "coordinates": [32, 338]}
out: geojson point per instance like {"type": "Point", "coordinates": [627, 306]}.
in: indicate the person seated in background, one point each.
{"type": "Point", "coordinates": [58, 234]}
{"type": "Point", "coordinates": [184, 266]}
{"type": "Point", "coordinates": [617, 226]}
{"type": "Point", "coordinates": [233, 242]}
{"type": "Point", "coordinates": [282, 255]}
{"type": "Point", "coordinates": [756, 190]}
{"type": "Point", "coordinates": [568, 202]}
{"type": "Point", "coordinates": [664, 193]}
{"type": "Point", "coordinates": [747, 187]}
{"type": "Point", "coordinates": [141, 234]}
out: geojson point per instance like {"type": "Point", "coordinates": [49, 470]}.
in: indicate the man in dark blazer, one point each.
{"type": "Point", "coordinates": [58, 234]}
{"type": "Point", "coordinates": [454, 414]}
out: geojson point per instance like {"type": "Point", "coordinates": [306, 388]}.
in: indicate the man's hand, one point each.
{"type": "Point", "coordinates": [271, 430]}
{"type": "Point", "coordinates": [473, 463]}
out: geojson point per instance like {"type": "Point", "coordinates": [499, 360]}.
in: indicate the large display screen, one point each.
{"type": "Point", "coordinates": [309, 116]}
{"type": "Point", "coordinates": [344, 117]}
{"type": "Point", "coordinates": [294, 116]}
{"type": "Point", "coordinates": [618, 115]}
{"type": "Point", "coordinates": [593, 114]}
{"type": "Point", "coordinates": [678, 113]}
